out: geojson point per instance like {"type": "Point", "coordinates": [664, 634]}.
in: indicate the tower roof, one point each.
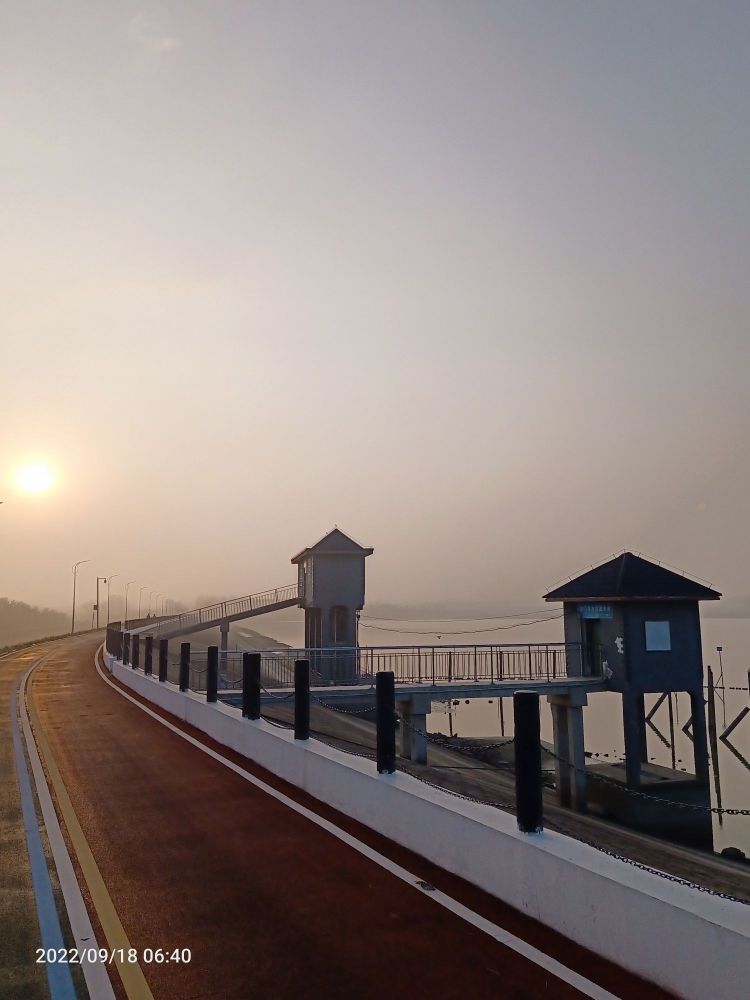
{"type": "Point", "coordinates": [628, 577]}
{"type": "Point", "coordinates": [336, 542]}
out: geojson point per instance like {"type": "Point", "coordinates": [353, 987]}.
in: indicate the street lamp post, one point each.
{"type": "Point", "coordinates": [103, 580]}
{"type": "Point", "coordinates": [156, 595]}
{"type": "Point", "coordinates": [140, 595]}
{"type": "Point", "coordinates": [125, 618]}
{"type": "Point", "coordinates": [74, 570]}
{"type": "Point", "coordinates": [110, 578]}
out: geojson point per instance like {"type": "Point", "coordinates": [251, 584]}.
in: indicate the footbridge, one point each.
{"type": "Point", "coordinates": [222, 614]}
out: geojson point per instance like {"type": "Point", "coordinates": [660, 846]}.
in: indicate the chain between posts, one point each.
{"type": "Point", "coordinates": [277, 697]}
{"type": "Point", "coordinates": [336, 708]}
{"type": "Point", "coordinates": [445, 742]}
{"type": "Point", "coordinates": [637, 793]}
{"type": "Point", "coordinates": [589, 843]}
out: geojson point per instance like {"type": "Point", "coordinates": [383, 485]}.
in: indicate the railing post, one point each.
{"type": "Point", "coordinates": [163, 659]}
{"type": "Point", "coordinates": [301, 699]}
{"type": "Point", "coordinates": [385, 721]}
{"type": "Point", "coordinates": [212, 674]}
{"type": "Point", "coordinates": [251, 685]}
{"type": "Point", "coordinates": [136, 652]}
{"type": "Point", "coordinates": [184, 666]}
{"type": "Point", "coordinates": [126, 648]}
{"type": "Point", "coordinates": [528, 753]}
{"type": "Point", "coordinates": [149, 654]}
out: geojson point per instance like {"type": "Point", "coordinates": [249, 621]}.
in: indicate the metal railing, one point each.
{"type": "Point", "coordinates": [428, 665]}
{"type": "Point", "coordinates": [226, 609]}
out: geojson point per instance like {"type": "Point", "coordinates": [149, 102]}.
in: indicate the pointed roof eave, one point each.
{"type": "Point", "coordinates": [354, 548]}
{"type": "Point", "coordinates": [628, 577]}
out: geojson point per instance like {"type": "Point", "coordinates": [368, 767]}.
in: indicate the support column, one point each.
{"type": "Point", "coordinates": [700, 741]}
{"type": "Point", "coordinates": [413, 716]}
{"type": "Point", "coordinates": [568, 736]}
{"type": "Point", "coordinates": [631, 723]}
{"type": "Point", "coordinates": [642, 735]}
{"type": "Point", "coordinates": [577, 756]}
{"type": "Point", "coordinates": [560, 740]}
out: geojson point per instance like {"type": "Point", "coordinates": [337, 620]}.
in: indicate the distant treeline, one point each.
{"type": "Point", "coordinates": [21, 622]}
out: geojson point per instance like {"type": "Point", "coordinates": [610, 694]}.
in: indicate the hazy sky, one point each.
{"type": "Point", "coordinates": [468, 279]}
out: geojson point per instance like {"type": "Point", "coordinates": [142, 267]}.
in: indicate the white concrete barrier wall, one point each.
{"type": "Point", "coordinates": [695, 944]}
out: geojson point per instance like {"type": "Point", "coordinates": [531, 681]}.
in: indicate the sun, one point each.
{"type": "Point", "coordinates": [34, 478]}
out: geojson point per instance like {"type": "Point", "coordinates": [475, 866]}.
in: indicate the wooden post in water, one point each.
{"type": "Point", "coordinates": [671, 733]}
{"type": "Point", "coordinates": [712, 739]}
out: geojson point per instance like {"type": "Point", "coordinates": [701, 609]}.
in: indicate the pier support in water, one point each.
{"type": "Point", "coordinates": [570, 758]}
{"type": "Point", "coordinates": [412, 714]}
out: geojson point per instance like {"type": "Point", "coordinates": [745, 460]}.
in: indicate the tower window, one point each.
{"type": "Point", "coordinates": [658, 638]}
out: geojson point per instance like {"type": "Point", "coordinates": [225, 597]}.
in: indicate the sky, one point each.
{"type": "Point", "coordinates": [467, 280]}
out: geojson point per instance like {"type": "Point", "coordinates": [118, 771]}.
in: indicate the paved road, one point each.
{"type": "Point", "coordinates": [270, 905]}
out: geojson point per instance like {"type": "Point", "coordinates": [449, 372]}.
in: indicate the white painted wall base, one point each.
{"type": "Point", "coordinates": [692, 943]}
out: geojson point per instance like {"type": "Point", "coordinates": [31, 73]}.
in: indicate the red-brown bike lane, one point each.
{"type": "Point", "coordinates": [269, 904]}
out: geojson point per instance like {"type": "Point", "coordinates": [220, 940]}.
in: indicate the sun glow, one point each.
{"type": "Point", "coordinates": [34, 478]}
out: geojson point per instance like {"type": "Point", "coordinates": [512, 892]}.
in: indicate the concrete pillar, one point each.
{"type": "Point", "coordinates": [577, 756]}
{"type": "Point", "coordinates": [700, 743]}
{"type": "Point", "coordinates": [632, 725]}
{"type": "Point", "coordinates": [642, 736]}
{"type": "Point", "coordinates": [560, 740]}
{"type": "Point", "coordinates": [569, 748]}
{"type": "Point", "coordinates": [413, 717]}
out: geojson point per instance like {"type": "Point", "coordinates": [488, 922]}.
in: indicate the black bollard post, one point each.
{"type": "Point", "coordinates": [184, 666]}
{"type": "Point", "coordinates": [148, 657]}
{"type": "Point", "coordinates": [251, 685]}
{"type": "Point", "coordinates": [528, 761]}
{"type": "Point", "coordinates": [163, 659]}
{"type": "Point", "coordinates": [136, 652]}
{"type": "Point", "coordinates": [126, 648]}
{"type": "Point", "coordinates": [385, 721]}
{"type": "Point", "coordinates": [301, 700]}
{"type": "Point", "coordinates": [212, 673]}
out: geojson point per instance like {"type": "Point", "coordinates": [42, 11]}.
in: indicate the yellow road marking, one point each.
{"type": "Point", "coordinates": [131, 973]}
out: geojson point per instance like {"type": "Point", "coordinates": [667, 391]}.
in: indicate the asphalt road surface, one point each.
{"type": "Point", "coordinates": [191, 855]}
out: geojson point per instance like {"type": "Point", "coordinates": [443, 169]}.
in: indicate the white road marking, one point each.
{"type": "Point", "coordinates": [95, 973]}
{"type": "Point", "coordinates": [504, 937]}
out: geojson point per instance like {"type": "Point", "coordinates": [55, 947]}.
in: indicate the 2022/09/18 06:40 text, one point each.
{"type": "Point", "coordinates": [76, 956]}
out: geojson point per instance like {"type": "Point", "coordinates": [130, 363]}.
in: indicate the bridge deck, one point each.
{"type": "Point", "coordinates": [438, 692]}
